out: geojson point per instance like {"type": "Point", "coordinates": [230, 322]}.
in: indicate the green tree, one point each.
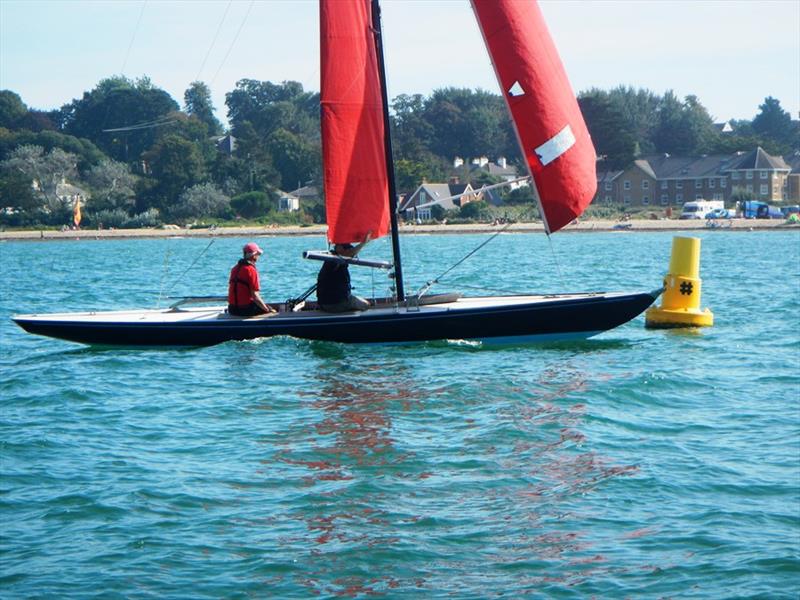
{"type": "Point", "coordinates": [611, 133]}
{"type": "Point", "coordinates": [16, 192]}
{"type": "Point", "coordinates": [202, 200]}
{"type": "Point", "coordinates": [775, 124]}
{"type": "Point", "coordinates": [294, 158]}
{"type": "Point", "coordinates": [113, 186]}
{"type": "Point", "coordinates": [683, 127]}
{"type": "Point", "coordinates": [251, 205]}
{"type": "Point", "coordinates": [176, 164]}
{"type": "Point", "coordinates": [45, 171]}
{"type": "Point", "coordinates": [197, 100]}
{"type": "Point", "coordinates": [120, 116]}
{"type": "Point", "coordinates": [12, 109]}
{"type": "Point", "coordinates": [477, 211]}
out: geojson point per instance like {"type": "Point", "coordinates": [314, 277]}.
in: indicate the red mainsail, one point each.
{"type": "Point", "coordinates": [353, 155]}
{"type": "Point", "coordinates": [549, 124]}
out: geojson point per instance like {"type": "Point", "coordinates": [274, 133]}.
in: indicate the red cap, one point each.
{"type": "Point", "coordinates": [252, 248]}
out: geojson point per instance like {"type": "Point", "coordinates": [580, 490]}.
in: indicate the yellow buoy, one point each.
{"type": "Point", "coordinates": [680, 305]}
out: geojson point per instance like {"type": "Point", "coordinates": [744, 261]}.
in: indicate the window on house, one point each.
{"type": "Point", "coordinates": [645, 200]}
{"type": "Point", "coordinates": [749, 175]}
{"type": "Point", "coordinates": [645, 184]}
{"type": "Point", "coordinates": [608, 186]}
{"type": "Point", "coordinates": [626, 199]}
{"type": "Point", "coordinates": [678, 185]}
{"type": "Point", "coordinates": [678, 198]}
{"type": "Point", "coordinates": [698, 196]}
{"type": "Point", "coordinates": [734, 175]}
{"type": "Point", "coordinates": [763, 174]}
{"type": "Point", "coordinates": [627, 184]}
{"type": "Point", "coordinates": [764, 189]}
{"type": "Point", "coordinates": [718, 196]}
{"type": "Point", "coordinates": [698, 184]}
{"type": "Point", "coordinates": [750, 187]}
{"type": "Point", "coordinates": [712, 183]}
{"type": "Point", "coordinates": [723, 182]}
{"type": "Point", "coordinates": [608, 199]}
{"type": "Point", "coordinates": [664, 185]}
{"type": "Point", "coordinates": [664, 199]}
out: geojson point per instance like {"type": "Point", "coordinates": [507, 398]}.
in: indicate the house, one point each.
{"type": "Point", "coordinates": [439, 194]}
{"type": "Point", "coordinates": [793, 179]}
{"type": "Point", "coordinates": [500, 169]}
{"type": "Point", "coordinates": [760, 174]}
{"type": "Point", "coordinates": [665, 180]}
{"type": "Point", "coordinates": [288, 202]}
{"type": "Point", "coordinates": [726, 127]}
{"type": "Point", "coordinates": [225, 144]}
{"type": "Point", "coordinates": [307, 193]}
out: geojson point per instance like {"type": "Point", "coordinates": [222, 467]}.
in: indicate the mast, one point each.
{"type": "Point", "coordinates": [387, 143]}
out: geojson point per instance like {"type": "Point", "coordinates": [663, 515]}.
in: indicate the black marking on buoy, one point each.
{"type": "Point", "coordinates": [686, 288]}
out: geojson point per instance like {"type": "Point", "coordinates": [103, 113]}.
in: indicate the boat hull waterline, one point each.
{"type": "Point", "coordinates": [503, 320]}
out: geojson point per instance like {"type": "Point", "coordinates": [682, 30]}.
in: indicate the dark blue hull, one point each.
{"type": "Point", "coordinates": [506, 320]}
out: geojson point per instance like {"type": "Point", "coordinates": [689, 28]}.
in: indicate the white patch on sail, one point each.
{"type": "Point", "coordinates": [556, 146]}
{"type": "Point", "coordinates": [516, 90]}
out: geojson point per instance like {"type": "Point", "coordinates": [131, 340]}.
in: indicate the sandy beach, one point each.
{"type": "Point", "coordinates": [583, 226]}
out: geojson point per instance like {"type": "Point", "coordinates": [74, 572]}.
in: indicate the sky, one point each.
{"type": "Point", "coordinates": [731, 54]}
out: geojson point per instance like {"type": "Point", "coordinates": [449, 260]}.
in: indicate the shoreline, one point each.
{"type": "Point", "coordinates": [586, 226]}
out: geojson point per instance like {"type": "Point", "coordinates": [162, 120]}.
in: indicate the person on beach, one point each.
{"type": "Point", "coordinates": [334, 293]}
{"type": "Point", "coordinates": [244, 299]}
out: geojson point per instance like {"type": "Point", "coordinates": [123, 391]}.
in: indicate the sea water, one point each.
{"type": "Point", "coordinates": [641, 463]}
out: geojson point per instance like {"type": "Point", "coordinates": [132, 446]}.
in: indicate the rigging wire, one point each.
{"type": "Point", "coordinates": [233, 42]}
{"type": "Point", "coordinates": [555, 261]}
{"type": "Point", "coordinates": [144, 125]}
{"type": "Point", "coordinates": [214, 41]}
{"type": "Point", "coordinates": [164, 273]}
{"type": "Point", "coordinates": [133, 38]}
{"type": "Point", "coordinates": [424, 289]}
{"type": "Point", "coordinates": [194, 262]}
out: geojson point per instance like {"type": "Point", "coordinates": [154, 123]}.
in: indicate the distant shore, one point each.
{"type": "Point", "coordinates": [581, 226]}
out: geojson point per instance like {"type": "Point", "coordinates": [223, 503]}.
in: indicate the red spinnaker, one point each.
{"type": "Point", "coordinates": [353, 156]}
{"type": "Point", "coordinates": [549, 124]}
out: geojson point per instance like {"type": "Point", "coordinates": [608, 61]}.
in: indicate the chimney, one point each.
{"type": "Point", "coordinates": [484, 161]}
{"type": "Point", "coordinates": [457, 162]}
{"type": "Point", "coordinates": [501, 162]}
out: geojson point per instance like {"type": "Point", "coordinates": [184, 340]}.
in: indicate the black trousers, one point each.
{"type": "Point", "coordinates": [250, 310]}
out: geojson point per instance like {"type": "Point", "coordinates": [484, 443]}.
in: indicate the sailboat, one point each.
{"type": "Point", "coordinates": [361, 198]}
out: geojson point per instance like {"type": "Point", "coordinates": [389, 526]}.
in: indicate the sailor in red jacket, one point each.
{"type": "Point", "coordinates": [243, 286]}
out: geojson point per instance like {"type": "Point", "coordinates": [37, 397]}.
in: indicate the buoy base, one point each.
{"type": "Point", "coordinates": [666, 318]}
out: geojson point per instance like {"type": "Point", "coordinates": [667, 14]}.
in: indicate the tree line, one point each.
{"type": "Point", "coordinates": [145, 159]}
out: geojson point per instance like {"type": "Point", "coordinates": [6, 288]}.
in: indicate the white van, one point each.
{"type": "Point", "coordinates": [698, 209]}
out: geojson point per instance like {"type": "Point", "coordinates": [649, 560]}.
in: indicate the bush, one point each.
{"type": "Point", "coordinates": [251, 205]}
{"type": "Point", "coordinates": [202, 200]}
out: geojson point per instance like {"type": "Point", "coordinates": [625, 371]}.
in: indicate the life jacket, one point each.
{"type": "Point", "coordinates": [236, 280]}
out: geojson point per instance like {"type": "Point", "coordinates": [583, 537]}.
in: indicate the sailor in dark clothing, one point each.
{"type": "Point", "coordinates": [334, 293]}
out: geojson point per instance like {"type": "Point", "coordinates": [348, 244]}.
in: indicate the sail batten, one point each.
{"type": "Point", "coordinates": [550, 128]}
{"type": "Point", "coordinates": [354, 166]}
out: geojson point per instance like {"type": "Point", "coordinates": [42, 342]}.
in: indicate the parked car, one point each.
{"type": "Point", "coordinates": [719, 213]}
{"type": "Point", "coordinates": [790, 210]}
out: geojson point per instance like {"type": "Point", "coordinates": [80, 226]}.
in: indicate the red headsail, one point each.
{"type": "Point", "coordinates": [353, 156]}
{"type": "Point", "coordinates": [549, 124]}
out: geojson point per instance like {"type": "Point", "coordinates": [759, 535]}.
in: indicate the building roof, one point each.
{"type": "Point", "coordinates": [793, 160]}
{"type": "Point", "coordinates": [607, 176]}
{"type": "Point", "coordinates": [757, 159]}
{"type": "Point", "coordinates": [664, 166]}
{"type": "Point", "coordinates": [307, 191]}
{"type": "Point", "coordinates": [435, 191]}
